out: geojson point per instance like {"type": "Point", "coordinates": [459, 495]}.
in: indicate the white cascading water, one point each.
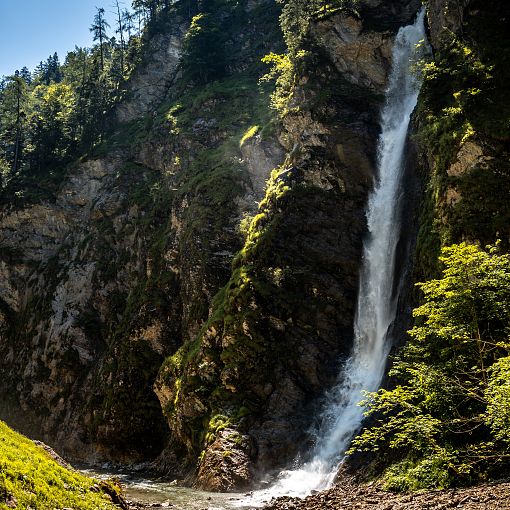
{"type": "Point", "coordinates": [376, 310]}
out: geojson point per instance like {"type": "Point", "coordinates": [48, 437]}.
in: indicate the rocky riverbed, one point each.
{"type": "Point", "coordinates": [345, 496]}
{"type": "Point", "coordinates": [494, 496]}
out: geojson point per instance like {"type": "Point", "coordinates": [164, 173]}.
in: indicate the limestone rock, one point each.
{"type": "Point", "coordinates": [469, 156]}
{"type": "Point", "coordinates": [150, 83]}
{"type": "Point", "coordinates": [363, 57]}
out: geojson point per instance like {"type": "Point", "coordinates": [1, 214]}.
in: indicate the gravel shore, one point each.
{"type": "Point", "coordinates": [487, 497]}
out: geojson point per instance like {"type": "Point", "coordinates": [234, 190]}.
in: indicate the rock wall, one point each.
{"type": "Point", "coordinates": [110, 271]}
{"type": "Point", "coordinates": [462, 129]}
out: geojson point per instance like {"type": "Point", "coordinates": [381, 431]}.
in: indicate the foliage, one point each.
{"type": "Point", "coordinates": [295, 20]}
{"type": "Point", "coordinates": [50, 125]}
{"type": "Point", "coordinates": [249, 134]}
{"type": "Point", "coordinates": [203, 57]}
{"type": "Point", "coordinates": [283, 72]}
{"type": "Point", "coordinates": [447, 416]}
{"type": "Point", "coordinates": [298, 14]}
{"type": "Point", "coordinates": [36, 481]}
{"type": "Point", "coordinates": [51, 116]}
{"type": "Point", "coordinates": [498, 397]}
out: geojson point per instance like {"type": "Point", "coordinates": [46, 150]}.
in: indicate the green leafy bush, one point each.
{"type": "Point", "coordinates": [447, 417]}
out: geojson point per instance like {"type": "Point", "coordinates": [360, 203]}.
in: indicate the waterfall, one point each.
{"type": "Point", "coordinates": [342, 416]}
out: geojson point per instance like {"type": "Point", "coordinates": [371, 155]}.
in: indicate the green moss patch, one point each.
{"type": "Point", "coordinates": [34, 480]}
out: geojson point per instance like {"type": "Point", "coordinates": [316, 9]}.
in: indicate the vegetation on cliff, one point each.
{"type": "Point", "coordinates": [246, 323]}
{"type": "Point", "coordinates": [30, 478]}
{"type": "Point", "coordinates": [164, 247]}
{"type": "Point", "coordinates": [463, 133]}
{"type": "Point", "coordinates": [273, 331]}
{"type": "Point", "coordinates": [60, 112]}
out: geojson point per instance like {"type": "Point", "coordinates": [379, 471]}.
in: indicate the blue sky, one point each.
{"type": "Point", "coordinates": [31, 30]}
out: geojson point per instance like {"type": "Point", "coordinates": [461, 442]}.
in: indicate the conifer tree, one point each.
{"type": "Point", "coordinates": [120, 31]}
{"type": "Point", "coordinates": [128, 22]}
{"type": "Point", "coordinates": [98, 28]}
{"type": "Point", "coordinates": [203, 52]}
{"type": "Point", "coordinates": [26, 75]}
{"type": "Point", "coordinates": [19, 87]}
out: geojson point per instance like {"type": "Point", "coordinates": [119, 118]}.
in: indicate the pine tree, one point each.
{"type": "Point", "coordinates": [12, 118]}
{"type": "Point", "coordinates": [98, 28]}
{"type": "Point", "coordinates": [128, 22]}
{"type": "Point", "coordinates": [26, 75]}
{"type": "Point", "coordinates": [120, 31]}
{"type": "Point", "coordinates": [203, 57]}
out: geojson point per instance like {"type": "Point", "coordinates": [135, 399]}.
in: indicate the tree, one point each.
{"type": "Point", "coordinates": [203, 58]}
{"type": "Point", "coordinates": [13, 99]}
{"type": "Point", "coordinates": [53, 71]}
{"type": "Point", "coordinates": [447, 419]}
{"type": "Point", "coordinates": [141, 12]}
{"type": "Point", "coordinates": [26, 75]}
{"type": "Point", "coordinates": [120, 31]}
{"type": "Point", "coordinates": [98, 28]}
{"type": "Point", "coordinates": [51, 126]}
{"type": "Point", "coordinates": [76, 71]}
{"type": "Point", "coordinates": [49, 71]}
{"type": "Point", "coordinates": [19, 86]}
{"type": "Point", "coordinates": [128, 22]}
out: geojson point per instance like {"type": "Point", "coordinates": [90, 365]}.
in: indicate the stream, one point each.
{"type": "Point", "coordinates": [159, 493]}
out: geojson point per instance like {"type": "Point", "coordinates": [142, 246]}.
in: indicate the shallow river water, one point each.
{"type": "Point", "coordinates": [153, 491]}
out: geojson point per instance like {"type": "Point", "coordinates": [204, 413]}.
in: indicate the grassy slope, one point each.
{"type": "Point", "coordinates": [36, 481]}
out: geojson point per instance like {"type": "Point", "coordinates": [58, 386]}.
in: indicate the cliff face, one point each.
{"type": "Point", "coordinates": [69, 271]}
{"type": "Point", "coordinates": [463, 129]}
{"type": "Point", "coordinates": [114, 269]}
{"type": "Point", "coordinates": [106, 273]}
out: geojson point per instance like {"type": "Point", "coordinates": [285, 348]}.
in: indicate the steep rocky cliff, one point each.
{"type": "Point", "coordinates": [149, 303]}
{"type": "Point", "coordinates": [463, 129]}
{"type": "Point", "coordinates": [112, 268]}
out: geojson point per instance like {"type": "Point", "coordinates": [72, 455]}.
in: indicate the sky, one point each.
{"type": "Point", "coordinates": [31, 30]}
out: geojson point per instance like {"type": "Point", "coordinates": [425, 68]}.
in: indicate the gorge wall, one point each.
{"type": "Point", "coordinates": [150, 306]}
{"type": "Point", "coordinates": [112, 269]}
